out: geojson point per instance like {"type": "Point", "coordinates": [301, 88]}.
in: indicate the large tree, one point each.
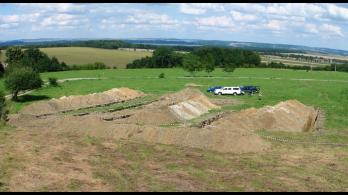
{"type": "Point", "coordinates": [13, 55]}
{"type": "Point", "coordinates": [163, 57]}
{"type": "Point", "coordinates": [208, 63]}
{"type": "Point", "coordinates": [21, 78]}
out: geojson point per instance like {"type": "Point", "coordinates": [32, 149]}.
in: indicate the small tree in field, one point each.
{"type": "Point", "coordinates": [53, 81]}
{"type": "Point", "coordinates": [192, 64]}
{"type": "Point", "coordinates": [19, 79]}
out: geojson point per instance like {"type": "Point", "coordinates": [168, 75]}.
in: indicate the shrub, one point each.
{"type": "Point", "coordinates": [161, 76]}
{"type": "Point", "coordinates": [53, 82]}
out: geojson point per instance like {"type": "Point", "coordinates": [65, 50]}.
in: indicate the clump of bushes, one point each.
{"type": "Point", "coordinates": [161, 76]}
{"type": "Point", "coordinates": [53, 81]}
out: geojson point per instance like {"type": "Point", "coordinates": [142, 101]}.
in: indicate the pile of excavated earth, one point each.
{"type": "Point", "coordinates": [231, 132]}
{"type": "Point", "coordinates": [69, 103]}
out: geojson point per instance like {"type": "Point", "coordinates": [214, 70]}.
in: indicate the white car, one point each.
{"type": "Point", "coordinates": [229, 91]}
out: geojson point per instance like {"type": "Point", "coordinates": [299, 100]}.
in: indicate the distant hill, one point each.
{"type": "Point", "coordinates": [262, 47]}
{"type": "Point", "coordinates": [245, 45]}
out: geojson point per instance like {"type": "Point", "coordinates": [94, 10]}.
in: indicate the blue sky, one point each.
{"type": "Point", "coordinates": [318, 25]}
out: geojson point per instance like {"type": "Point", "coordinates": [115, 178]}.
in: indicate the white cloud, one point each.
{"type": "Point", "coordinates": [281, 11]}
{"type": "Point", "coordinates": [151, 19]}
{"type": "Point", "coordinates": [54, 7]}
{"type": "Point", "coordinates": [199, 8]}
{"type": "Point", "coordinates": [275, 25]}
{"type": "Point", "coordinates": [61, 21]}
{"type": "Point", "coordinates": [332, 29]}
{"type": "Point", "coordinates": [338, 12]}
{"type": "Point", "coordinates": [215, 21]}
{"type": "Point", "coordinates": [10, 18]}
{"type": "Point", "coordinates": [187, 9]}
{"type": "Point", "coordinates": [141, 20]}
{"type": "Point", "coordinates": [311, 28]}
{"type": "Point", "coordinates": [111, 23]}
{"type": "Point", "coordinates": [13, 21]}
{"type": "Point", "coordinates": [8, 26]}
{"type": "Point", "coordinates": [242, 16]}
{"type": "Point", "coordinates": [19, 18]}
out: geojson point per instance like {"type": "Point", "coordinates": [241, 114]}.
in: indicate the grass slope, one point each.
{"type": "Point", "coordinates": [85, 55]}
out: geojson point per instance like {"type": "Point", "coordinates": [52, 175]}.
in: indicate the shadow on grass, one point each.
{"type": "Point", "coordinates": [30, 98]}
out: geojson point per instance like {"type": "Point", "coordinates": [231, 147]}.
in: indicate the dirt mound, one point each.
{"type": "Point", "coordinates": [183, 105]}
{"type": "Point", "coordinates": [183, 95]}
{"type": "Point", "coordinates": [190, 103]}
{"type": "Point", "coordinates": [192, 108]}
{"type": "Point", "coordinates": [291, 115]}
{"type": "Point", "coordinates": [81, 101]}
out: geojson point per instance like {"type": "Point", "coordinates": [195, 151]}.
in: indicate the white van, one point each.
{"type": "Point", "coordinates": [229, 91]}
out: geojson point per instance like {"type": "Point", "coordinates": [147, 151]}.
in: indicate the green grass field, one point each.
{"type": "Point", "coordinates": [327, 90]}
{"type": "Point", "coordinates": [85, 55]}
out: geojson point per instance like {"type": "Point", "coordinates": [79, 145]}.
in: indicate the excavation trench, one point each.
{"type": "Point", "coordinates": [224, 132]}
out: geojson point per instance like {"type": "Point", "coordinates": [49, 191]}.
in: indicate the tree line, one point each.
{"type": "Point", "coordinates": [203, 58]}
{"type": "Point", "coordinates": [102, 44]}
{"type": "Point", "coordinates": [209, 58]}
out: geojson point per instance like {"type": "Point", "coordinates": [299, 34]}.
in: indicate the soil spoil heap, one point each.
{"type": "Point", "coordinates": [291, 116]}
{"type": "Point", "coordinates": [81, 101]}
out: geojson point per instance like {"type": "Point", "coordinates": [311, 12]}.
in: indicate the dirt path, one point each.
{"type": "Point", "coordinates": [77, 79]}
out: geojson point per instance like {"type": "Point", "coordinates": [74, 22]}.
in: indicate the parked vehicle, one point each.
{"type": "Point", "coordinates": [212, 89]}
{"type": "Point", "coordinates": [250, 89]}
{"type": "Point", "coordinates": [229, 91]}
